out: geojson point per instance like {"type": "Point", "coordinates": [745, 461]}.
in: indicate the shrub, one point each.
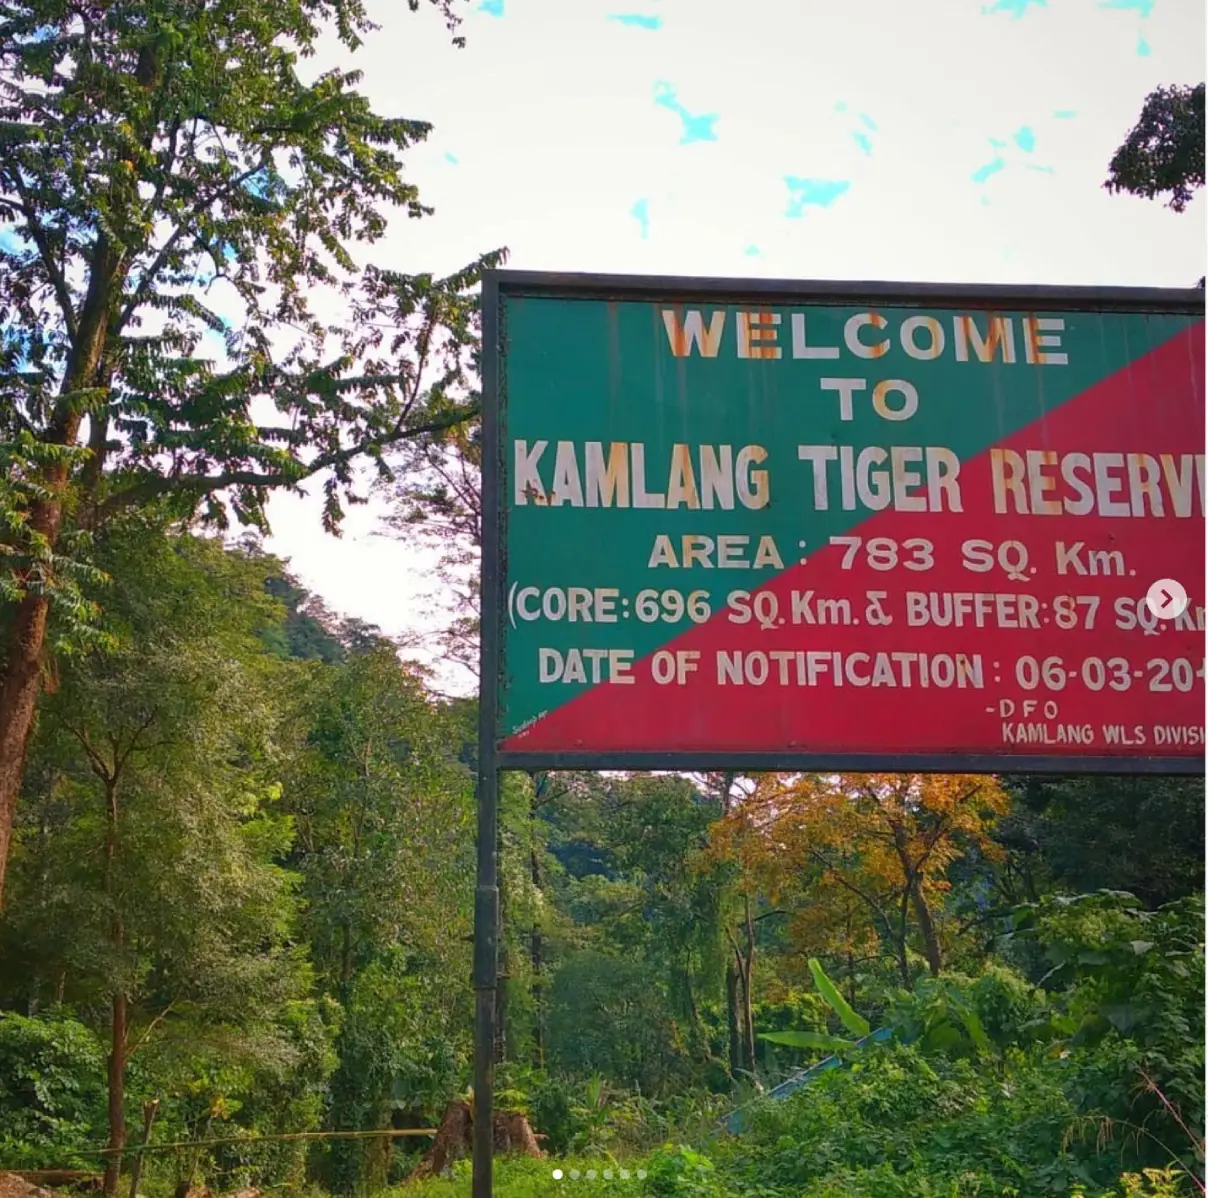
{"type": "Point", "coordinates": [52, 1092]}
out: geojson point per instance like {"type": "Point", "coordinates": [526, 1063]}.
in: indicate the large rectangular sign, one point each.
{"type": "Point", "coordinates": [854, 526]}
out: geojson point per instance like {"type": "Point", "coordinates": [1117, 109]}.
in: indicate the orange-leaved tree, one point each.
{"type": "Point", "coordinates": [861, 854]}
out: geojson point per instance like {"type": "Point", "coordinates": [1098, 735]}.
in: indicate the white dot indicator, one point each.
{"type": "Point", "coordinates": [557, 1174]}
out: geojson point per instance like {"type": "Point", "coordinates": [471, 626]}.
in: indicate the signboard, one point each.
{"type": "Point", "coordinates": [789, 525]}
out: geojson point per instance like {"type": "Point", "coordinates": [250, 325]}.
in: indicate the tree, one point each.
{"type": "Point", "coordinates": [630, 885]}
{"type": "Point", "coordinates": [147, 869]}
{"type": "Point", "coordinates": [886, 840]}
{"type": "Point", "coordinates": [437, 506]}
{"type": "Point", "coordinates": [168, 173]}
{"type": "Point", "coordinates": [1164, 153]}
{"type": "Point", "coordinates": [1141, 835]}
{"type": "Point", "coordinates": [384, 815]}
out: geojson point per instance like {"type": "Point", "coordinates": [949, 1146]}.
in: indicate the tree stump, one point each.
{"type": "Point", "coordinates": [455, 1139]}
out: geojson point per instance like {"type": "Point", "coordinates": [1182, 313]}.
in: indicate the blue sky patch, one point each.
{"type": "Point", "coordinates": [696, 127]}
{"type": "Point", "coordinates": [1065, 114]}
{"type": "Point", "coordinates": [493, 8]}
{"type": "Point", "coordinates": [1143, 47]}
{"type": "Point", "coordinates": [258, 184]}
{"type": "Point", "coordinates": [860, 136]}
{"type": "Point", "coordinates": [821, 193]}
{"type": "Point", "coordinates": [11, 240]}
{"type": "Point", "coordinates": [1008, 152]}
{"type": "Point", "coordinates": [636, 20]}
{"type": "Point", "coordinates": [752, 251]}
{"type": "Point", "coordinates": [641, 213]}
{"type": "Point", "coordinates": [19, 340]}
{"type": "Point", "coordinates": [991, 168]}
{"type": "Point", "coordinates": [1144, 7]}
{"type": "Point", "coordinates": [1016, 8]}
{"type": "Point", "coordinates": [452, 159]}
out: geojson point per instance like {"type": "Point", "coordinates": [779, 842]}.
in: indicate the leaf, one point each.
{"type": "Point", "coordinates": [973, 1025]}
{"type": "Point", "coordinates": [1122, 1016]}
{"type": "Point", "coordinates": [808, 1040]}
{"type": "Point", "coordinates": [856, 1024]}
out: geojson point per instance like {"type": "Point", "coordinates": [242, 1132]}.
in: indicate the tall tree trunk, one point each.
{"type": "Point", "coordinates": [117, 1024]}
{"type": "Point", "coordinates": [748, 972]}
{"type": "Point", "coordinates": [733, 1033]}
{"type": "Point", "coordinates": [21, 677]}
{"type": "Point", "coordinates": [117, 1096]}
{"type": "Point", "coordinates": [931, 940]}
{"type": "Point", "coordinates": [900, 945]}
{"type": "Point", "coordinates": [345, 964]}
{"type": "Point", "coordinates": [697, 1040]}
{"type": "Point", "coordinates": [851, 962]}
{"type": "Point", "coordinates": [19, 691]}
{"type": "Point", "coordinates": [536, 962]}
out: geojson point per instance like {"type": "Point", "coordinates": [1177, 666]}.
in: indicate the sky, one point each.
{"type": "Point", "coordinates": [961, 141]}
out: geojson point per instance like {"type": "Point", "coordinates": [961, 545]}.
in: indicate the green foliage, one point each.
{"type": "Point", "coordinates": [808, 1040]}
{"type": "Point", "coordinates": [33, 564]}
{"type": "Point", "coordinates": [1143, 835]}
{"type": "Point", "coordinates": [606, 1015]}
{"type": "Point", "coordinates": [183, 207]}
{"type": "Point", "coordinates": [1164, 152]}
{"type": "Point", "coordinates": [856, 1024]}
{"type": "Point", "coordinates": [52, 1083]}
{"type": "Point", "coordinates": [679, 1170]}
{"type": "Point", "coordinates": [900, 1112]}
{"type": "Point", "coordinates": [940, 1016]}
{"type": "Point", "coordinates": [186, 166]}
{"type": "Point", "coordinates": [1123, 975]}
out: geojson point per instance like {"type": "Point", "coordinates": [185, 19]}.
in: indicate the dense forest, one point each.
{"type": "Point", "coordinates": [240, 904]}
{"type": "Point", "coordinates": [237, 830]}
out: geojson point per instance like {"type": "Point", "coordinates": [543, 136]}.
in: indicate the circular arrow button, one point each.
{"type": "Point", "coordinates": [1166, 599]}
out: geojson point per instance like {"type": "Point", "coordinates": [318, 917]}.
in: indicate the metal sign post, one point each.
{"type": "Point", "coordinates": [824, 526]}
{"type": "Point", "coordinates": [486, 895]}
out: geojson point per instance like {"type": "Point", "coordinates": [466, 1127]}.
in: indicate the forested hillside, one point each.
{"type": "Point", "coordinates": [240, 899]}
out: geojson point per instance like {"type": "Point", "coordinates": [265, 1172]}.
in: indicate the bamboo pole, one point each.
{"type": "Point", "coordinates": [292, 1135]}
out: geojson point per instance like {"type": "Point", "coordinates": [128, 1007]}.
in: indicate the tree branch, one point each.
{"type": "Point", "coordinates": [149, 1029]}
{"type": "Point", "coordinates": [187, 223]}
{"type": "Point", "coordinates": [856, 890]}
{"type": "Point", "coordinates": [57, 279]}
{"type": "Point", "coordinates": [202, 484]}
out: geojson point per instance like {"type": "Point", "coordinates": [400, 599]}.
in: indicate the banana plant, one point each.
{"type": "Point", "coordinates": [935, 1015]}
{"type": "Point", "coordinates": [855, 1023]}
